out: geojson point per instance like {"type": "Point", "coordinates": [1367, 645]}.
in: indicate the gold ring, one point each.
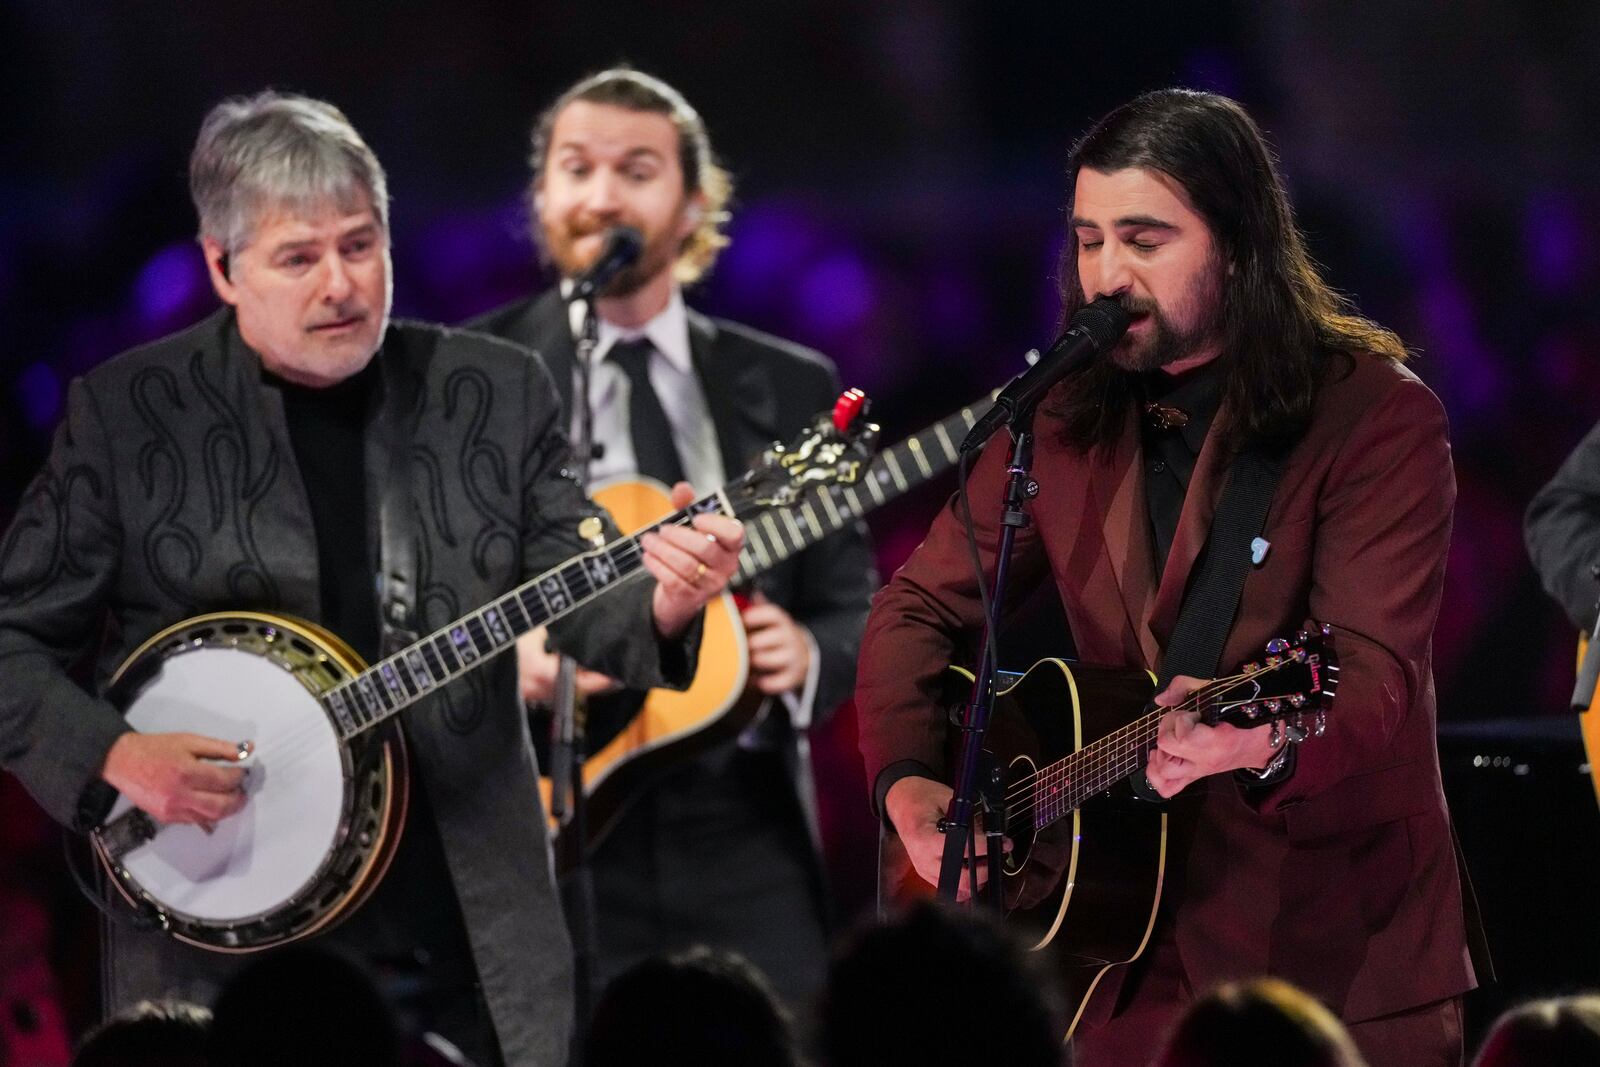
{"type": "Point", "coordinates": [699, 573]}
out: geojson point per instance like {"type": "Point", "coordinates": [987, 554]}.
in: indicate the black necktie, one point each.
{"type": "Point", "coordinates": [653, 451]}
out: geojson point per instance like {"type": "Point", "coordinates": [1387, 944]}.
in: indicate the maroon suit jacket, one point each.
{"type": "Point", "coordinates": [1343, 877]}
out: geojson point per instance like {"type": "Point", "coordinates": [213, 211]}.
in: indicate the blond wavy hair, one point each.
{"type": "Point", "coordinates": [634, 90]}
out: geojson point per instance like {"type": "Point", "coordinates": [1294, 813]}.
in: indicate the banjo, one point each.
{"type": "Point", "coordinates": [326, 780]}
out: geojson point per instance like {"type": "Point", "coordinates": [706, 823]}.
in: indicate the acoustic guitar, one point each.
{"type": "Point", "coordinates": [635, 737]}
{"type": "Point", "coordinates": [1589, 724]}
{"type": "Point", "coordinates": [1084, 877]}
{"type": "Point", "coordinates": [327, 785]}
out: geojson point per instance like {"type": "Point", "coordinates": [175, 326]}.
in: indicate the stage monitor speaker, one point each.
{"type": "Point", "coordinates": [1524, 807]}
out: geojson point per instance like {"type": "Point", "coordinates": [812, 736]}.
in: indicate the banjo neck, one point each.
{"type": "Point", "coordinates": [400, 680]}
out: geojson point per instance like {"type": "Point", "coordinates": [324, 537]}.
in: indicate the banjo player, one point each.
{"type": "Point", "coordinates": [242, 464]}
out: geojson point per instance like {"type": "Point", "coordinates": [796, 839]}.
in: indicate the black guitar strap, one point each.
{"type": "Point", "coordinates": [397, 544]}
{"type": "Point", "coordinates": [1212, 599]}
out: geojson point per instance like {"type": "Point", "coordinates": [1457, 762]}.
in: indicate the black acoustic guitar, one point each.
{"type": "Point", "coordinates": [1084, 875]}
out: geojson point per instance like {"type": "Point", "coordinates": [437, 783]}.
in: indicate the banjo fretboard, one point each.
{"type": "Point", "coordinates": [397, 681]}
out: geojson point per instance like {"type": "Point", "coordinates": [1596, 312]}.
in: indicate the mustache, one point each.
{"type": "Point", "coordinates": [341, 315]}
{"type": "Point", "coordinates": [1134, 305]}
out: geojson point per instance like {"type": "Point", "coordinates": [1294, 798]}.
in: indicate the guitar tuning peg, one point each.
{"type": "Point", "coordinates": [1277, 644]}
{"type": "Point", "coordinates": [1297, 700]}
{"type": "Point", "coordinates": [1301, 637]}
{"type": "Point", "coordinates": [1296, 731]}
{"type": "Point", "coordinates": [1250, 668]}
{"type": "Point", "coordinates": [1319, 725]}
{"type": "Point", "coordinates": [1273, 661]}
{"type": "Point", "coordinates": [1251, 710]}
{"type": "Point", "coordinates": [1327, 631]}
{"type": "Point", "coordinates": [1274, 705]}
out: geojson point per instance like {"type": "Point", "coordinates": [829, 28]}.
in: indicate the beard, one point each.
{"type": "Point", "coordinates": [1167, 344]}
{"type": "Point", "coordinates": [561, 240]}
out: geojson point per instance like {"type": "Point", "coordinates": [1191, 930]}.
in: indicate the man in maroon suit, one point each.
{"type": "Point", "coordinates": [1329, 863]}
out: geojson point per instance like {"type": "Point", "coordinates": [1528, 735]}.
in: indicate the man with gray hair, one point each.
{"type": "Point", "coordinates": [275, 457]}
{"type": "Point", "coordinates": [723, 848]}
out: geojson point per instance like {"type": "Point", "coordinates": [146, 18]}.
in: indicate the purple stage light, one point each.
{"type": "Point", "coordinates": [1474, 383]}
{"type": "Point", "coordinates": [1553, 242]}
{"type": "Point", "coordinates": [770, 240]}
{"type": "Point", "coordinates": [169, 282]}
{"type": "Point", "coordinates": [836, 294]}
{"type": "Point", "coordinates": [40, 389]}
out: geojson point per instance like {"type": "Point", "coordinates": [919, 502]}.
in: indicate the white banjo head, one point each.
{"type": "Point", "coordinates": [273, 849]}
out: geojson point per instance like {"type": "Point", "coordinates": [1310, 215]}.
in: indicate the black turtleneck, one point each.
{"type": "Point", "coordinates": [327, 430]}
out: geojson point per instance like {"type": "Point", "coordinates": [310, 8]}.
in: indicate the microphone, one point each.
{"type": "Point", "coordinates": [621, 250]}
{"type": "Point", "coordinates": [1095, 328]}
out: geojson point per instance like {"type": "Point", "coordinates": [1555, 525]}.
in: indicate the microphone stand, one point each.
{"type": "Point", "coordinates": [978, 773]}
{"type": "Point", "coordinates": [568, 804]}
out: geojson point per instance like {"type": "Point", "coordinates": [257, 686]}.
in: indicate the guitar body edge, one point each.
{"type": "Point", "coordinates": [671, 725]}
{"type": "Point", "coordinates": [1087, 888]}
{"type": "Point", "coordinates": [1589, 724]}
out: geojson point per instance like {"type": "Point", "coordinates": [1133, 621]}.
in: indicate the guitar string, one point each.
{"type": "Point", "coordinates": [1120, 759]}
{"type": "Point", "coordinates": [1080, 775]}
{"type": "Point", "coordinates": [1022, 801]}
{"type": "Point", "coordinates": [1191, 703]}
{"type": "Point", "coordinates": [1080, 772]}
{"type": "Point", "coordinates": [1075, 763]}
{"type": "Point", "coordinates": [1072, 779]}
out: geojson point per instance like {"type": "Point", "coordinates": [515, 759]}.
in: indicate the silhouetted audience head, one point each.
{"type": "Point", "coordinates": [699, 1006]}
{"type": "Point", "coordinates": [302, 1006]}
{"type": "Point", "coordinates": [1262, 1023]}
{"type": "Point", "coordinates": [939, 986]}
{"type": "Point", "coordinates": [1560, 1031]}
{"type": "Point", "coordinates": [153, 1033]}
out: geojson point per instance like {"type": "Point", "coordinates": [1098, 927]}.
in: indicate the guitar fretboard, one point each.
{"type": "Point", "coordinates": [1063, 786]}
{"type": "Point", "coordinates": [775, 535]}
{"type": "Point", "coordinates": [1060, 788]}
{"type": "Point", "coordinates": [400, 680]}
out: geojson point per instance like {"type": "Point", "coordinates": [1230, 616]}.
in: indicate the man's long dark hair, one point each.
{"type": "Point", "coordinates": [1282, 325]}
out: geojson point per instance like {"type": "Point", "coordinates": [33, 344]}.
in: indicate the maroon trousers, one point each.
{"type": "Point", "coordinates": [1156, 994]}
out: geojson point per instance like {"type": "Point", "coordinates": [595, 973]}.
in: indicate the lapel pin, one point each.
{"type": "Point", "coordinates": [1258, 550]}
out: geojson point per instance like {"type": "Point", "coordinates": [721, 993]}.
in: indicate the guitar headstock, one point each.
{"type": "Point", "coordinates": [1295, 679]}
{"type": "Point", "coordinates": [833, 450]}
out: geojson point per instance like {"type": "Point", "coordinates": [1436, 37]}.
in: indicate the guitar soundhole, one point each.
{"type": "Point", "coordinates": [1021, 803]}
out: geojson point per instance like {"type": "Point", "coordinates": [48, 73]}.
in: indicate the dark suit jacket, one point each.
{"type": "Point", "coordinates": [1343, 877]}
{"type": "Point", "coordinates": [1562, 530]}
{"type": "Point", "coordinates": [172, 490]}
{"type": "Point", "coordinates": [760, 389]}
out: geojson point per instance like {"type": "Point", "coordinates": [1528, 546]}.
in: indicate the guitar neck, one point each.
{"type": "Point", "coordinates": [775, 535]}
{"type": "Point", "coordinates": [397, 681]}
{"type": "Point", "coordinates": [1064, 785]}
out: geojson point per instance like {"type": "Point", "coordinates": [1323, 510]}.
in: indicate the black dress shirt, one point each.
{"type": "Point", "coordinates": [1170, 455]}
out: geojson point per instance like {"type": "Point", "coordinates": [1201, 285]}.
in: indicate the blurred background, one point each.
{"type": "Point", "coordinates": [900, 184]}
